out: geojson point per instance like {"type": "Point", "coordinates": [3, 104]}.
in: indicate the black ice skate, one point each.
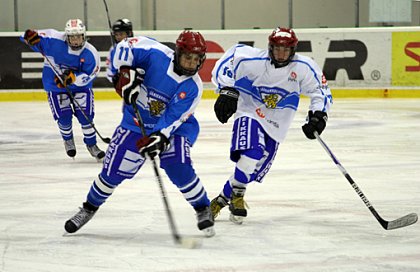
{"type": "Point", "coordinates": [70, 147]}
{"type": "Point", "coordinates": [205, 222]}
{"type": "Point", "coordinates": [217, 204]}
{"type": "Point", "coordinates": [81, 218]}
{"type": "Point", "coordinates": [237, 205]}
{"type": "Point", "coordinates": [95, 152]}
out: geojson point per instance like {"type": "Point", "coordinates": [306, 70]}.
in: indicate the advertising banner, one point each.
{"type": "Point", "coordinates": [406, 59]}
{"type": "Point", "coordinates": [350, 58]}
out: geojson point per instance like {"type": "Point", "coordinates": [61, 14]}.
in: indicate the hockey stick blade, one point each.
{"type": "Point", "coordinates": [401, 222]}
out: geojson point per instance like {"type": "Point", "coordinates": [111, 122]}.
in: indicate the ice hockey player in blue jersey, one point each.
{"type": "Point", "coordinates": [166, 97]}
{"type": "Point", "coordinates": [262, 88]}
{"type": "Point", "coordinates": [121, 29]}
{"type": "Point", "coordinates": [77, 62]}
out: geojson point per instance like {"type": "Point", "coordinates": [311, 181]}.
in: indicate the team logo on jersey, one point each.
{"type": "Point", "coordinates": [271, 100]}
{"type": "Point", "coordinates": [156, 107]}
{"type": "Point", "coordinates": [260, 113]}
{"type": "Point", "coordinates": [131, 41]}
{"type": "Point", "coordinates": [292, 77]}
{"type": "Point", "coordinates": [182, 95]}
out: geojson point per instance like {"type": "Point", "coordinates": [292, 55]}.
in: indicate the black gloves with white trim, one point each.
{"type": "Point", "coordinates": [316, 122]}
{"type": "Point", "coordinates": [226, 104]}
{"type": "Point", "coordinates": [128, 81]}
{"type": "Point", "coordinates": [153, 144]}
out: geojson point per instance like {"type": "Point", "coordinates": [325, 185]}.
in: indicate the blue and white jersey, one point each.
{"type": "Point", "coordinates": [167, 100]}
{"type": "Point", "coordinates": [269, 95]}
{"type": "Point", "coordinates": [85, 63]}
{"type": "Point", "coordinates": [110, 69]}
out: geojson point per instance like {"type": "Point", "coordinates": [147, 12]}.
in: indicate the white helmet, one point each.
{"type": "Point", "coordinates": [75, 27]}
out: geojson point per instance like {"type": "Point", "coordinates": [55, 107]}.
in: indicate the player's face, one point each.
{"type": "Point", "coordinates": [75, 40]}
{"type": "Point", "coordinates": [281, 53]}
{"type": "Point", "coordinates": [189, 61]}
{"type": "Point", "coordinates": [120, 35]}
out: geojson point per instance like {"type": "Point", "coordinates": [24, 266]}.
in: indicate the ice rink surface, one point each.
{"type": "Point", "coordinates": [304, 217]}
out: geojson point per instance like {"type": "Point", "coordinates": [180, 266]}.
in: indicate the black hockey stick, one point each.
{"type": "Point", "coordinates": [183, 241]}
{"type": "Point", "coordinates": [105, 140]}
{"type": "Point", "coordinates": [401, 222]}
{"type": "Point", "coordinates": [109, 23]}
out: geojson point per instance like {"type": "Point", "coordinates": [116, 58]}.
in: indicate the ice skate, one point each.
{"type": "Point", "coordinates": [217, 204]}
{"type": "Point", "coordinates": [205, 222]}
{"type": "Point", "coordinates": [237, 205]}
{"type": "Point", "coordinates": [96, 152]}
{"type": "Point", "coordinates": [70, 148]}
{"type": "Point", "coordinates": [79, 219]}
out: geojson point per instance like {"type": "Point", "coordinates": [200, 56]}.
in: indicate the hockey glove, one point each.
{"type": "Point", "coordinates": [67, 78]}
{"type": "Point", "coordinates": [153, 144]}
{"type": "Point", "coordinates": [226, 104]}
{"type": "Point", "coordinates": [128, 81]}
{"type": "Point", "coordinates": [316, 122]}
{"type": "Point", "coordinates": [31, 37]}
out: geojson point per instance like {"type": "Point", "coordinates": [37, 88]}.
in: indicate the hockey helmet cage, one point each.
{"type": "Point", "coordinates": [75, 27]}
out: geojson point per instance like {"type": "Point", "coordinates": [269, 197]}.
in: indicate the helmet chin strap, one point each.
{"type": "Point", "coordinates": [76, 48]}
{"type": "Point", "coordinates": [279, 64]}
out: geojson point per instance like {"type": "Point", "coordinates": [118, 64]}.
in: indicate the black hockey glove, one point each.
{"type": "Point", "coordinates": [153, 144]}
{"type": "Point", "coordinates": [128, 81]}
{"type": "Point", "coordinates": [316, 122]}
{"type": "Point", "coordinates": [31, 37]}
{"type": "Point", "coordinates": [226, 104]}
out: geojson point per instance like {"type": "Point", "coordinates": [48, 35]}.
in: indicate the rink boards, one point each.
{"type": "Point", "coordinates": [362, 62]}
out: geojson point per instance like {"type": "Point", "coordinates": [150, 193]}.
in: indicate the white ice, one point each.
{"type": "Point", "coordinates": [305, 216]}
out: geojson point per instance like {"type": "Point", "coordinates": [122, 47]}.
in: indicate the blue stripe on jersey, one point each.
{"type": "Point", "coordinates": [226, 60]}
{"type": "Point", "coordinates": [310, 67]}
{"type": "Point", "coordinates": [319, 82]}
{"type": "Point", "coordinates": [250, 59]}
{"type": "Point", "coordinates": [289, 100]}
{"type": "Point", "coordinates": [221, 65]}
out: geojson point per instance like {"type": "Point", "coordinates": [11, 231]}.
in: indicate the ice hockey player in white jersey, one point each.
{"type": "Point", "coordinates": [262, 88]}
{"type": "Point", "coordinates": [77, 62]}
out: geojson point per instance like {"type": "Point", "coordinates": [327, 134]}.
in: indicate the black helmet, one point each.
{"type": "Point", "coordinates": [123, 25]}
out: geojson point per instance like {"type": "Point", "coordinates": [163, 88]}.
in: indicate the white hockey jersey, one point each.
{"type": "Point", "coordinates": [267, 94]}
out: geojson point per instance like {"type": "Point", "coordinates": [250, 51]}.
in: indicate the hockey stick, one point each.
{"type": "Point", "coordinates": [401, 222]}
{"type": "Point", "coordinates": [105, 140]}
{"type": "Point", "coordinates": [109, 24]}
{"type": "Point", "coordinates": [183, 241]}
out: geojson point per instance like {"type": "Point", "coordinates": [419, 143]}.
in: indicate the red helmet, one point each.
{"type": "Point", "coordinates": [193, 43]}
{"type": "Point", "coordinates": [282, 36]}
